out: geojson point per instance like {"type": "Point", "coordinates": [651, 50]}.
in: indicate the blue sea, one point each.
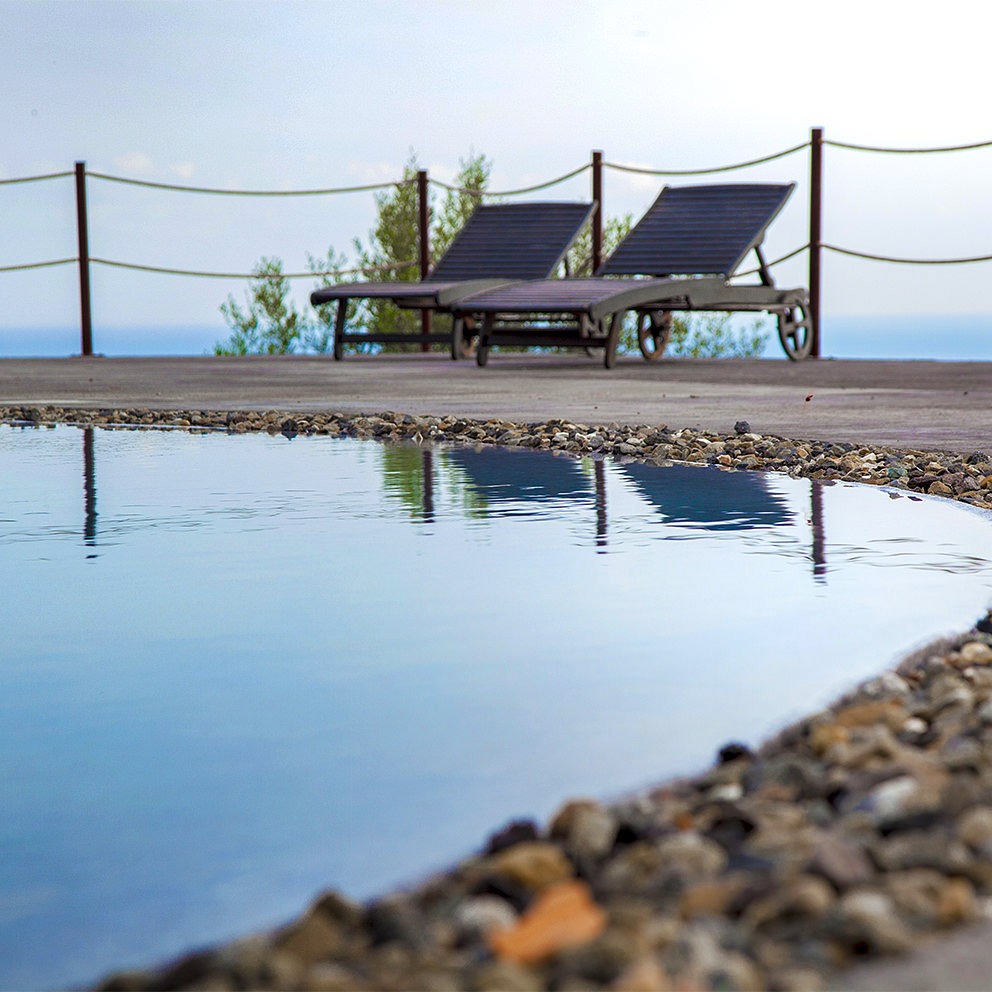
{"type": "Point", "coordinates": [955, 337]}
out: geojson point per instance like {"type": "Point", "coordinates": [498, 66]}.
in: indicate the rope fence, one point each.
{"type": "Point", "coordinates": [35, 179]}
{"type": "Point", "coordinates": [329, 273]}
{"type": "Point", "coordinates": [250, 192]}
{"type": "Point", "coordinates": [706, 172]}
{"type": "Point", "coordinates": [814, 245]}
{"type": "Point", "coordinates": [513, 192]}
{"type": "Point", "coordinates": [906, 261]}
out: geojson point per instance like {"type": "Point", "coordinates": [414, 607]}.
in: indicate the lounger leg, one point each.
{"type": "Point", "coordinates": [339, 330]}
{"type": "Point", "coordinates": [457, 337]}
{"type": "Point", "coordinates": [610, 358]}
{"type": "Point", "coordinates": [482, 348]}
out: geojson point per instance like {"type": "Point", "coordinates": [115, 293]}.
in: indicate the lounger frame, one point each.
{"type": "Point", "coordinates": [499, 244]}
{"type": "Point", "coordinates": [693, 239]}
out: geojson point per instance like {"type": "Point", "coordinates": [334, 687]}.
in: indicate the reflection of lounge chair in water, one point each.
{"type": "Point", "coordinates": [689, 244]}
{"type": "Point", "coordinates": [709, 499]}
{"type": "Point", "coordinates": [499, 243]}
{"type": "Point", "coordinates": [502, 476]}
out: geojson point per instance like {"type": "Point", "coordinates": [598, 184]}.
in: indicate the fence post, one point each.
{"type": "Point", "coordinates": [86, 325]}
{"type": "Point", "coordinates": [597, 217]}
{"type": "Point", "coordinates": [423, 238]}
{"type": "Point", "coordinates": [815, 232]}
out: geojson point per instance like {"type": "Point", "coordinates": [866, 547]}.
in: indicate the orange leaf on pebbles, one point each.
{"type": "Point", "coordinates": [563, 915]}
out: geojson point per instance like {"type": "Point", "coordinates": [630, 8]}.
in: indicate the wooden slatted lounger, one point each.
{"type": "Point", "coordinates": [681, 255]}
{"type": "Point", "coordinates": [499, 244]}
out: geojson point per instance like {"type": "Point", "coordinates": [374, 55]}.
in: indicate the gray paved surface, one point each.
{"type": "Point", "coordinates": [911, 404]}
{"type": "Point", "coordinates": [925, 404]}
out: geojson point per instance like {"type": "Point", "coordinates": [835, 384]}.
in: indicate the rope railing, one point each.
{"type": "Point", "coordinates": [706, 172]}
{"type": "Point", "coordinates": [906, 261]}
{"type": "Point", "coordinates": [34, 179]}
{"type": "Point", "coordinates": [908, 151]}
{"type": "Point", "coordinates": [37, 265]}
{"type": "Point", "coordinates": [778, 261]}
{"type": "Point", "coordinates": [513, 192]}
{"type": "Point", "coordinates": [329, 273]}
{"type": "Point", "coordinates": [250, 192]}
{"type": "Point", "coordinates": [814, 246]}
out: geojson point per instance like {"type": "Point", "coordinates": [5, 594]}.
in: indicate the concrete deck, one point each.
{"type": "Point", "coordinates": [944, 405]}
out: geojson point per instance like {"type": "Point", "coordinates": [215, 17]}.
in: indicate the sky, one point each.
{"type": "Point", "coordinates": [302, 94]}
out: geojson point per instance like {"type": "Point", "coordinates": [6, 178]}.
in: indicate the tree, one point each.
{"type": "Point", "coordinates": [271, 324]}
{"type": "Point", "coordinates": [712, 335]}
{"type": "Point", "coordinates": [318, 331]}
{"type": "Point", "coordinates": [395, 240]}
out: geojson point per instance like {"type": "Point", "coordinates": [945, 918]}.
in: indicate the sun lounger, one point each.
{"type": "Point", "coordinates": [686, 248]}
{"type": "Point", "coordinates": [499, 244]}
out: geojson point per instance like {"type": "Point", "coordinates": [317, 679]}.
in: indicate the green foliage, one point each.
{"type": "Point", "coordinates": [712, 335]}
{"type": "Point", "coordinates": [394, 239]}
{"type": "Point", "coordinates": [318, 331]}
{"type": "Point", "coordinates": [459, 203]}
{"type": "Point", "coordinates": [271, 324]}
{"type": "Point", "coordinates": [578, 261]}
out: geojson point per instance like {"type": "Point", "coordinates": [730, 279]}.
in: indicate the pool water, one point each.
{"type": "Point", "coordinates": [237, 670]}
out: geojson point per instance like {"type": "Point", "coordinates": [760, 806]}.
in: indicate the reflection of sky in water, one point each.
{"type": "Point", "coordinates": [235, 669]}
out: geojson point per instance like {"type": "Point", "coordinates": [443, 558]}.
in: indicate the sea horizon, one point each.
{"type": "Point", "coordinates": [936, 337]}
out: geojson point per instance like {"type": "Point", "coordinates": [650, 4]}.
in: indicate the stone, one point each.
{"type": "Point", "coordinates": [888, 712]}
{"type": "Point", "coordinates": [585, 829]}
{"type": "Point", "coordinates": [742, 427]}
{"type": "Point", "coordinates": [515, 832]}
{"type": "Point", "coordinates": [533, 864]}
{"type": "Point", "coordinates": [564, 915]}
{"type": "Point", "coordinates": [712, 898]}
{"type": "Point", "coordinates": [867, 920]}
{"type": "Point", "coordinates": [314, 937]}
{"type": "Point", "coordinates": [396, 918]}
{"type": "Point", "coordinates": [841, 862]}
{"type": "Point", "coordinates": [643, 975]}
{"type": "Point", "coordinates": [505, 976]}
{"type": "Point", "coordinates": [805, 896]}
{"type": "Point", "coordinates": [691, 856]}
{"type": "Point", "coordinates": [477, 916]}
{"type": "Point", "coordinates": [975, 828]}
{"type": "Point", "coordinates": [975, 653]}
{"type": "Point", "coordinates": [956, 903]}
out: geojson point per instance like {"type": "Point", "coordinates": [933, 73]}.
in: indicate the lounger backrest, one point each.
{"type": "Point", "coordinates": [512, 241]}
{"type": "Point", "coordinates": [698, 230]}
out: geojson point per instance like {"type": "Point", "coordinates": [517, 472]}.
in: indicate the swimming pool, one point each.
{"type": "Point", "coordinates": [239, 669]}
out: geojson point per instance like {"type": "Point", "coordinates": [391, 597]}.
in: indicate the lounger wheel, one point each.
{"type": "Point", "coordinates": [795, 331]}
{"type": "Point", "coordinates": [654, 331]}
{"type": "Point", "coordinates": [481, 353]}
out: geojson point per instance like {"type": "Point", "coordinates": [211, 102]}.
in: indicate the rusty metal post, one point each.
{"type": "Point", "coordinates": [86, 324]}
{"type": "Point", "coordinates": [423, 240]}
{"type": "Point", "coordinates": [815, 232]}
{"type": "Point", "coordinates": [597, 217]}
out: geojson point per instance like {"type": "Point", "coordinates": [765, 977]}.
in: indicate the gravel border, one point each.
{"type": "Point", "coordinates": [862, 830]}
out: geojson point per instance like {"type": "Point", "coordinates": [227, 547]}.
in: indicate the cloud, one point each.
{"type": "Point", "coordinates": [135, 162]}
{"type": "Point", "coordinates": [183, 170]}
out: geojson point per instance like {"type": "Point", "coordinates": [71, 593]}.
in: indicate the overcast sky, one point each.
{"type": "Point", "coordinates": [313, 94]}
